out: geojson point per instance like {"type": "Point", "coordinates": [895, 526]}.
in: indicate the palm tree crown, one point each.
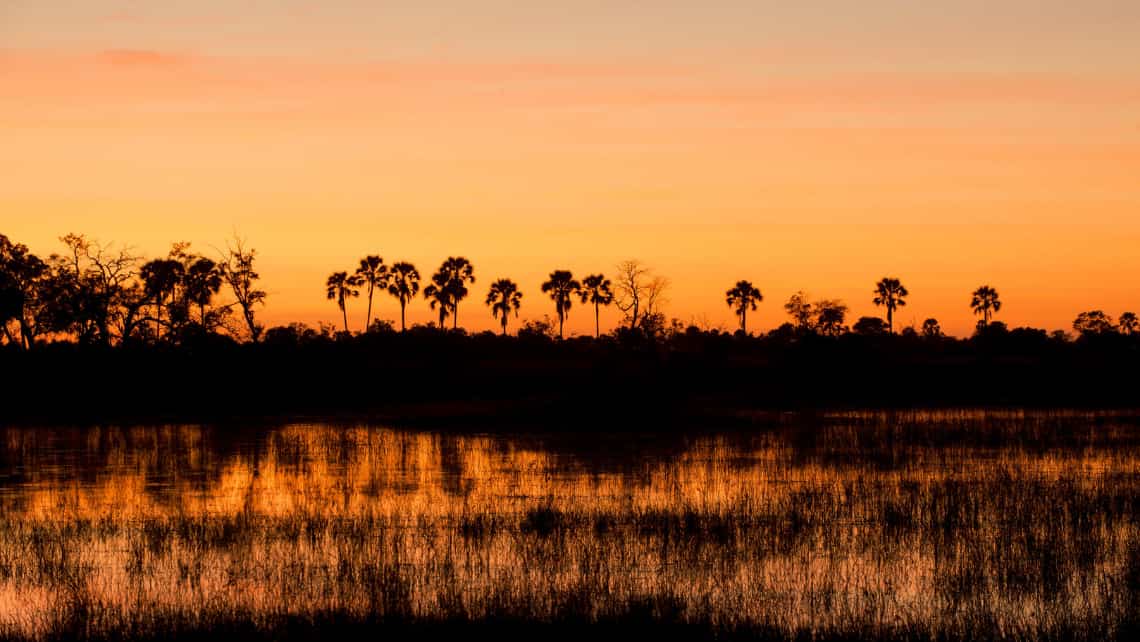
{"type": "Point", "coordinates": [503, 297]}
{"type": "Point", "coordinates": [373, 273]}
{"type": "Point", "coordinates": [985, 302]}
{"type": "Point", "coordinates": [449, 286]}
{"type": "Point", "coordinates": [891, 294]}
{"type": "Point", "coordinates": [598, 290]}
{"type": "Point", "coordinates": [562, 286]}
{"type": "Point", "coordinates": [742, 297]}
{"type": "Point", "coordinates": [404, 284]}
{"type": "Point", "coordinates": [339, 287]}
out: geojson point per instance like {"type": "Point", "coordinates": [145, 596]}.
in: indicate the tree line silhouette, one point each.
{"type": "Point", "coordinates": [96, 294]}
{"type": "Point", "coordinates": [95, 332]}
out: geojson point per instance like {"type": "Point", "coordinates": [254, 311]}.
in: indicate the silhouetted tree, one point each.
{"type": "Point", "coordinates": [985, 302]}
{"type": "Point", "coordinates": [891, 294]}
{"type": "Point", "coordinates": [800, 309]}
{"type": "Point", "coordinates": [1093, 322]}
{"type": "Point", "coordinates": [504, 297]}
{"type": "Point", "coordinates": [451, 279]}
{"type": "Point", "coordinates": [339, 287]}
{"type": "Point", "coordinates": [239, 272]}
{"type": "Point", "coordinates": [404, 284]}
{"type": "Point", "coordinates": [596, 290]}
{"type": "Point", "coordinates": [562, 286]}
{"type": "Point", "coordinates": [639, 294]}
{"type": "Point", "coordinates": [203, 280]}
{"type": "Point", "coordinates": [830, 315]}
{"type": "Point", "coordinates": [1128, 324]}
{"type": "Point", "coordinates": [21, 276]}
{"type": "Point", "coordinates": [84, 293]}
{"type": "Point", "coordinates": [161, 279]}
{"type": "Point", "coordinates": [740, 298]}
{"type": "Point", "coordinates": [438, 297]}
{"type": "Point", "coordinates": [373, 274]}
{"type": "Point", "coordinates": [931, 329]}
{"type": "Point", "coordinates": [870, 326]}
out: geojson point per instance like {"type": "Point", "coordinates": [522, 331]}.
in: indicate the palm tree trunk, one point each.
{"type": "Point", "coordinates": [560, 323]}
{"type": "Point", "coordinates": [403, 324]}
{"type": "Point", "coordinates": [890, 320]}
{"type": "Point", "coordinates": [344, 312]}
{"type": "Point", "coordinates": [744, 320]}
{"type": "Point", "coordinates": [455, 316]}
{"type": "Point", "coordinates": [504, 324]}
{"type": "Point", "coordinates": [368, 317]}
{"type": "Point", "coordinates": [597, 326]}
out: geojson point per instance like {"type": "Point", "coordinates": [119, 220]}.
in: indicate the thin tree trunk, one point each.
{"type": "Point", "coordinates": [344, 312]}
{"type": "Point", "coordinates": [890, 320]}
{"type": "Point", "coordinates": [368, 316]}
{"type": "Point", "coordinates": [455, 316]}
{"type": "Point", "coordinates": [597, 326]}
{"type": "Point", "coordinates": [403, 324]}
{"type": "Point", "coordinates": [744, 320]}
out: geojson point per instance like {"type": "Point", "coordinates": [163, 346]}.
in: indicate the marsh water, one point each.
{"type": "Point", "coordinates": [947, 524]}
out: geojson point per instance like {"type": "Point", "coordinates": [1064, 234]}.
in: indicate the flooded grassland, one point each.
{"type": "Point", "coordinates": [939, 525]}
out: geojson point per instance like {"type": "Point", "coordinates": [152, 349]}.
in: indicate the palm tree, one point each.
{"type": "Point", "coordinates": [1128, 323]}
{"type": "Point", "coordinates": [891, 294]}
{"type": "Point", "coordinates": [160, 279]}
{"type": "Point", "coordinates": [562, 286]}
{"type": "Point", "coordinates": [439, 297]}
{"type": "Point", "coordinates": [985, 302]}
{"type": "Point", "coordinates": [451, 279]}
{"type": "Point", "coordinates": [404, 284]}
{"type": "Point", "coordinates": [742, 297]}
{"type": "Point", "coordinates": [203, 279]}
{"type": "Point", "coordinates": [373, 273]}
{"type": "Point", "coordinates": [503, 297]}
{"type": "Point", "coordinates": [596, 289]}
{"type": "Point", "coordinates": [340, 286]}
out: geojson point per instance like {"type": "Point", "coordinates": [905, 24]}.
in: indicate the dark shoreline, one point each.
{"type": "Point", "coordinates": [579, 384]}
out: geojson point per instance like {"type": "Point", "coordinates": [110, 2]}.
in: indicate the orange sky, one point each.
{"type": "Point", "coordinates": [816, 151]}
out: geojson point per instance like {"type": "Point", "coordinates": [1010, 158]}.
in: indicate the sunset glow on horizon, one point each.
{"type": "Point", "coordinates": [800, 148]}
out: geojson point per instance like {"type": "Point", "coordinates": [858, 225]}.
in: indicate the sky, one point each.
{"type": "Point", "coordinates": [814, 146]}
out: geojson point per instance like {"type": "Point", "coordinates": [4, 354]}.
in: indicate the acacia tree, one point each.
{"type": "Point", "coordinates": [741, 298]}
{"type": "Point", "coordinates": [830, 315]}
{"type": "Point", "coordinates": [404, 284]}
{"type": "Point", "coordinates": [596, 290]}
{"type": "Point", "coordinates": [92, 288]}
{"type": "Point", "coordinates": [985, 302]}
{"type": "Point", "coordinates": [341, 286]}
{"type": "Point", "coordinates": [1093, 322]}
{"type": "Point", "coordinates": [238, 271]}
{"type": "Point", "coordinates": [800, 309]}
{"type": "Point", "coordinates": [891, 294]}
{"type": "Point", "coordinates": [504, 297]}
{"type": "Point", "coordinates": [562, 286]}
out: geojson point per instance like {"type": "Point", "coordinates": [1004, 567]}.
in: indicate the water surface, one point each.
{"type": "Point", "coordinates": [924, 524]}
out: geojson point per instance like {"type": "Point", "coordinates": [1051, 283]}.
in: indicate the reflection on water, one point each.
{"type": "Point", "coordinates": [935, 524]}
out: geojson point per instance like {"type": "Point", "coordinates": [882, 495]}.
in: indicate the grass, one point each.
{"type": "Point", "coordinates": [907, 526]}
